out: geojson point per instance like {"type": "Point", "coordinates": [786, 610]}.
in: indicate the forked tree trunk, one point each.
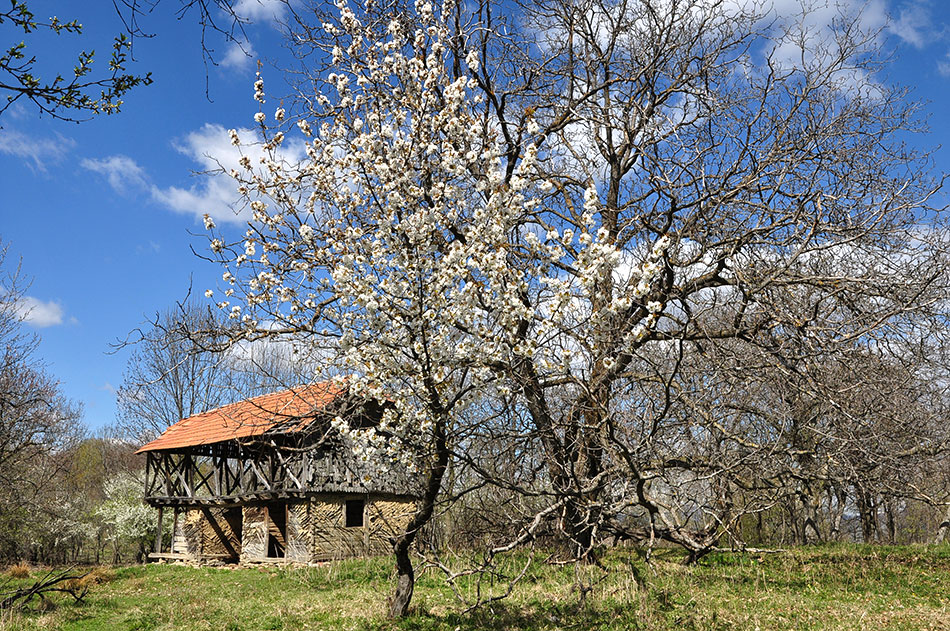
{"type": "Point", "coordinates": [579, 531]}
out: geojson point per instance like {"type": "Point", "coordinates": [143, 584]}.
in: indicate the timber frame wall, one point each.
{"type": "Point", "coordinates": [229, 473]}
{"type": "Point", "coordinates": [204, 484]}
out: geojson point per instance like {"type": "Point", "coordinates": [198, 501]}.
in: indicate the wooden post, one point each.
{"type": "Point", "coordinates": [189, 471]}
{"type": "Point", "coordinates": [158, 532]}
{"type": "Point", "coordinates": [366, 514]}
{"type": "Point", "coordinates": [148, 474]}
{"type": "Point", "coordinates": [174, 530]}
{"type": "Point", "coordinates": [217, 463]}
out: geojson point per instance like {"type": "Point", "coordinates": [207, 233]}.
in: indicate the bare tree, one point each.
{"type": "Point", "coordinates": [169, 377]}
{"type": "Point", "coordinates": [37, 421]}
{"type": "Point", "coordinates": [176, 370]}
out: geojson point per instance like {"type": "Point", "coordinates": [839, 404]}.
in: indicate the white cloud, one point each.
{"type": "Point", "coordinates": [122, 172]}
{"type": "Point", "coordinates": [259, 9]}
{"type": "Point", "coordinates": [37, 313]}
{"type": "Point", "coordinates": [943, 66]}
{"type": "Point", "coordinates": [41, 151]}
{"type": "Point", "coordinates": [239, 56]}
{"type": "Point", "coordinates": [914, 24]}
{"type": "Point", "coordinates": [216, 193]}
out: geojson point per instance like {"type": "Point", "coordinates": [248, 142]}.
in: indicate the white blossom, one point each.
{"type": "Point", "coordinates": [259, 89]}
{"type": "Point", "coordinates": [471, 60]}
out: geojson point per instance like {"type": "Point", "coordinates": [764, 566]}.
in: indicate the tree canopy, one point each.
{"type": "Point", "coordinates": [624, 245]}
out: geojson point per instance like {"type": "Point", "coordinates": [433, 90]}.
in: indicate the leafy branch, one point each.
{"type": "Point", "coordinates": [74, 96]}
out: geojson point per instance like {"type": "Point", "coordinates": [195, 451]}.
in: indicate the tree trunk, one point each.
{"type": "Point", "coordinates": [944, 528]}
{"type": "Point", "coordinates": [579, 531]}
{"type": "Point", "coordinates": [868, 513]}
{"type": "Point", "coordinates": [836, 503]}
{"type": "Point", "coordinates": [890, 512]}
{"type": "Point", "coordinates": [405, 583]}
{"type": "Point", "coordinates": [405, 575]}
{"type": "Point", "coordinates": [810, 506]}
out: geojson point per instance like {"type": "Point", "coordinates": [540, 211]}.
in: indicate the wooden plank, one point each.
{"type": "Point", "coordinates": [158, 531]}
{"type": "Point", "coordinates": [254, 535]}
{"type": "Point", "coordinates": [204, 480]}
{"type": "Point", "coordinates": [148, 474]}
{"type": "Point", "coordinates": [218, 463]}
{"type": "Point", "coordinates": [174, 528]}
{"type": "Point", "coordinates": [184, 482]}
{"type": "Point", "coordinates": [156, 556]}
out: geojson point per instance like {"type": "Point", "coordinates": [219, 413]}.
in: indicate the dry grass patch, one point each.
{"type": "Point", "coordinates": [20, 570]}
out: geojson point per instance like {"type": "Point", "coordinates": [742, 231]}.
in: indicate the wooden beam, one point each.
{"type": "Point", "coordinates": [260, 476]}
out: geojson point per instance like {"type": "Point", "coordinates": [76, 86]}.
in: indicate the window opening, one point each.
{"type": "Point", "coordinates": [354, 513]}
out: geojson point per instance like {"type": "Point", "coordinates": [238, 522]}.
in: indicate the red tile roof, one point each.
{"type": "Point", "coordinates": [251, 417]}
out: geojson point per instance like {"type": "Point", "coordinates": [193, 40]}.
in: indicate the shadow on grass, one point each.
{"type": "Point", "coordinates": [504, 616]}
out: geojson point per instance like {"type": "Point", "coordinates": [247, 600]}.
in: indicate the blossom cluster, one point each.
{"type": "Point", "coordinates": [413, 240]}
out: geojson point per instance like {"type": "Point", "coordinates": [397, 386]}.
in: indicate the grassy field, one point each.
{"type": "Point", "coordinates": [830, 588]}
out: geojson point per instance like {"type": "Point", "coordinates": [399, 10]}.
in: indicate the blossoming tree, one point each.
{"type": "Point", "coordinates": [549, 211]}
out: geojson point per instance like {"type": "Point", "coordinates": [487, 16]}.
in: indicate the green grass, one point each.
{"type": "Point", "coordinates": [827, 588]}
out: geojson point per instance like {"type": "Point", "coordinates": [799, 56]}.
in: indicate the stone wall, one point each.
{"type": "Point", "coordinates": [315, 531]}
{"type": "Point", "coordinates": [384, 519]}
{"type": "Point", "coordinates": [332, 539]}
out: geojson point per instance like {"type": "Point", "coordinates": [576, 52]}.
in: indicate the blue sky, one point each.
{"type": "Point", "coordinates": [104, 214]}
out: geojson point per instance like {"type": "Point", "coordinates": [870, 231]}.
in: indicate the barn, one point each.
{"type": "Point", "coordinates": [266, 480]}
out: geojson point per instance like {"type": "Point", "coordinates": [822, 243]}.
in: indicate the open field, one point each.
{"type": "Point", "coordinates": [830, 588]}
